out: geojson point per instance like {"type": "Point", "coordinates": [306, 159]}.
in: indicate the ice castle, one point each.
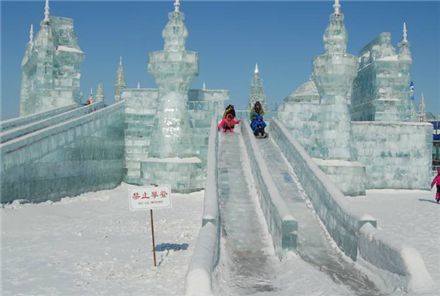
{"type": "Point", "coordinates": [354, 115]}
{"type": "Point", "coordinates": [149, 136]}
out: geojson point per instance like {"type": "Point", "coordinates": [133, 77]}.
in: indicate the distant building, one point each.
{"type": "Point", "coordinates": [436, 143]}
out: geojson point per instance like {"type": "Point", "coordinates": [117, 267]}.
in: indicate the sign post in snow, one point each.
{"type": "Point", "coordinates": [149, 198]}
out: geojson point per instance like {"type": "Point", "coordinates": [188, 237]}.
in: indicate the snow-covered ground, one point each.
{"type": "Point", "coordinates": [408, 216]}
{"type": "Point", "coordinates": [93, 245]}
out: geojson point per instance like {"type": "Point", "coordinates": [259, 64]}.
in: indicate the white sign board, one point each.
{"type": "Point", "coordinates": [150, 198]}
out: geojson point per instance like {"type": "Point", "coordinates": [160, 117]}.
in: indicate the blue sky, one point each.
{"type": "Point", "coordinates": [230, 37]}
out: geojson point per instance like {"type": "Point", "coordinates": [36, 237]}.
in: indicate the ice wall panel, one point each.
{"type": "Point", "coordinates": [396, 155]}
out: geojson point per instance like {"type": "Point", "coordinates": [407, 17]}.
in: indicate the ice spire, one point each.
{"type": "Point", "coordinates": [337, 7]}
{"type": "Point", "coordinates": [404, 53]}
{"type": "Point", "coordinates": [257, 90]}
{"type": "Point", "coordinates": [99, 92]}
{"type": "Point", "coordinates": [422, 109]}
{"type": "Point", "coordinates": [31, 34]}
{"type": "Point", "coordinates": [138, 85]}
{"type": "Point", "coordinates": [120, 80]}
{"type": "Point", "coordinates": [335, 36]}
{"type": "Point", "coordinates": [405, 33]}
{"type": "Point", "coordinates": [177, 5]}
{"type": "Point", "coordinates": [175, 32]}
{"type": "Point", "coordinates": [204, 86]}
{"type": "Point", "coordinates": [46, 11]}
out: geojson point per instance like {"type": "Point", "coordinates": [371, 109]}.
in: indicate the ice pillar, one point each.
{"type": "Point", "coordinates": [173, 69]}
{"type": "Point", "coordinates": [333, 73]}
{"type": "Point", "coordinates": [172, 158]}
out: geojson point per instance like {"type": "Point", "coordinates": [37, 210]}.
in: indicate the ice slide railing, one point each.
{"type": "Point", "coordinates": [400, 266]}
{"type": "Point", "coordinates": [50, 121]}
{"type": "Point", "coordinates": [15, 122]}
{"type": "Point", "coordinates": [39, 143]}
{"type": "Point", "coordinates": [206, 252]}
{"type": "Point", "coordinates": [282, 225]}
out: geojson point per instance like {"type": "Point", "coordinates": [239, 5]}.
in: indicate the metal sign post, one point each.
{"type": "Point", "coordinates": [149, 198]}
{"type": "Point", "coordinates": [152, 236]}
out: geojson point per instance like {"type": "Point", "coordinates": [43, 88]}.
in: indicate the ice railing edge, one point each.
{"type": "Point", "coordinates": [284, 227]}
{"type": "Point", "coordinates": [342, 222]}
{"type": "Point", "coordinates": [22, 120]}
{"type": "Point", "coordinates": [372, 243]}
{"type": "Point", "coordinates": [198, 281]}
{"type": "Point", "coordinates": [31, 127]}
{"type": "Point", "coordinates": [400, 259]}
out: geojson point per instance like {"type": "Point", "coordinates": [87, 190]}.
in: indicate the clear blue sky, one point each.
{"type": "Point", "coordinates": [230, 38]}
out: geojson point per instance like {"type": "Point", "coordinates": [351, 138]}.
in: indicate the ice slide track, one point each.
{"type": "Point", "coordinates": [20, 127]}
{"type": "Point", "coordinates": [245, 243]}
{"type": "Point", "coordinates": [313, 244]}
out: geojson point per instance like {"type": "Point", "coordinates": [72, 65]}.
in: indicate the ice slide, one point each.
{"type": "Point", "coordinates": [247, 262]}
{"type": "Point", "coordinates": [313, 244]}
{"type": "Point", "coordinates": [22, 126]}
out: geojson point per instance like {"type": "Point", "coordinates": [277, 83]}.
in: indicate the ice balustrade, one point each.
{"type": "Point", "coordinates": [207, 249]}
{"type": "Point", "coordinates": [341, 222]}
{"type": "Point", "coordinates": [408, 269]}
{"type": "Point", "coordinates": [23, 120]}
{"type": "Point", "coordinates": [353, 231]}
{"type": "Point", "coordinates": [281, 224]}
{"type": "Point", "coordinates": [51, 121]}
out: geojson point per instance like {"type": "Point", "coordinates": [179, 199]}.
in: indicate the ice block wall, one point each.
{"type": "Point", "coordinates": [299, 113]}
{"type": "Point", "coordinates": [140, 112]}
{"type": "Point", "coordinates": [396, 155]}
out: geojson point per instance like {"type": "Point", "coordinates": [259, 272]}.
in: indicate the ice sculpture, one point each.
{"type": "Point", "coordinates": [381, 89]}
{"type": "Point", "coordinates": [172, 157]}
{"type": "Point", "coordinates": [396, 154]}
{"type": "Point", "coordinates": [51, 66]}
{"type": "Point", "coordinates": [120, 81]}
{"type": "Point", "coordinates": [257, 91]}
{"type": "Point", "coordinates": [333, 74]}
{"type": "Point", "coordinates": [99, 92]}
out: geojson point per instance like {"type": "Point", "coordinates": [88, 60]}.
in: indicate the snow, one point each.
{"type": "Point", "coordinates": [68, 49]}
{"type": "Point", "coordinates": [173, 159]}
{"type": "Point", "coordinates": [407, 217]}
{"type": "Point", "coordinates": [389, 58]}
{"type": "Point", "coordinates": [93, 245]}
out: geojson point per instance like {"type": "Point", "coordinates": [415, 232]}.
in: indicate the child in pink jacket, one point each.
{"type": "Point", "coordinates": [436, 181]}
{"type": "Point", "coordinates": [228, 123]}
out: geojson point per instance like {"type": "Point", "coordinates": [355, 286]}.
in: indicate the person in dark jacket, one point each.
{"type": "Point", "coordinates": [257, 123]}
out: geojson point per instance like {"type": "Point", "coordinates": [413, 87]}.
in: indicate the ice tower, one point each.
{"type": "Point", "coordinates": [51, 66]}
{"type": "Point", "coordinates": [352, 116]}
{"type": "Point", "coordinates": [172, 156]}
{"type": "Point", "coordinates": [333, 74]}
{"type": "Point", "coordinates": [257, 91]}
{"type": "Point", "coordinates": [381, 89]}
{"type": "Point", "coordinates": [120, 81]}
